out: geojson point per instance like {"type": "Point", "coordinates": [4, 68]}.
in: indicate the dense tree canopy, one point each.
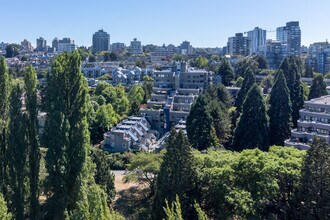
{"type": "Point", "coordinates": [226, 73]}
{"type": "Point", "coordinates": [248, 82]}
{"type": "Point", "coordinates": [318, 88]}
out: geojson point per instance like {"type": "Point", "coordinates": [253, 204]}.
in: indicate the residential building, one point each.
{"type": "Point", "coordinates": [186, 48]}
{"type": "Point", "coordinates": [162, 54]}
{"type": "Point", "coordinates": [101, 41]}
{"type": "Point", "coordinates": [258, 39]}
{"type": "Point", "coordinates": [41, 45]}
{"type": "Point", "coordinates": [319, 57]}
{"type": "Point", "coordinates": [133, 133]}
{"type": "Point", "coordinates": [118, 47]}
{"type": "Point", "coordinates": [3, 46]}
{"type": "Point", "coordinates": [290, 35]}
{"type": "Point", "coordinates": [66, 45]}
{"type": "Point", "coordinates": [314, 121]}
{"type": "Point", "coordinates": [136, 47]}
{"type": "Point", "coordinates": [26, 46]}
{"type": "Point", "coordinates": [174, 91]}
{"type": "Point", "coordinates": [274, 52]}
{"type": "Point", "coordinates": [55, 44]}
{"type": "Point", "coordinates": [239, 45]}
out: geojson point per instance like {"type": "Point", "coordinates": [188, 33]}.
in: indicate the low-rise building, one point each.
{"type": "Point", "coordinates": [314, 121]}
{"type": "Point", "coordinates": [133, 133]}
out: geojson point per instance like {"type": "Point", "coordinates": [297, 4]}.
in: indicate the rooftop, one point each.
{"type": "Point", "coordinates": [320, 100]}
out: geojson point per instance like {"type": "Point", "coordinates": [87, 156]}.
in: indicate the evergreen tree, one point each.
{"type": "Point", "coordinates": [314, 192]}
{"type": "Point", "coordinates": [199, 123]}
{"type": "Point", "coordinates": [220, 93]}
{"type": "Point", "coordinates": [252, 129]}
{"type": "Point", "coordinates": [4, 108]}
{"type": "Point", "coordinates": [70, 171]}
{"type": "Point", "coordinates": [308, 70]}
{"type": "Point", "coordinates": [30, 82]}
{"type": "Point", "coordinates": [279, 112]}
{"type": "Point", "coordinates": [248, 82]}
{"type": "Point", "coordinates": [4, 213]}
{"type": "Point", "coordinates": [318, 88]}
{"type": "Point", "coordinates": [17, 153]}
{"type": "Point", "coordinates": [285, 68]}
{"type": "Point", "coordinates": [177, 176]}
{"type": "Point", "coordinates": [226, 73]}
{"type": "Point", "coordinates": [297, 99]}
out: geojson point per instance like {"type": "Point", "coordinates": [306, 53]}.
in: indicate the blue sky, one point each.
{"type": "Point", "coordinates": [205, 23]}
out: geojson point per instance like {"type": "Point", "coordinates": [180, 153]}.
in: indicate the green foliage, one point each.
{"type": "Point", "coordinates": [200, 62]}
{"type": "Point", "coordinates": [318, 88]}
{"type": "Point", "coordinates": [4, 213]}
{"type": "Point", "coordinates": [239, 81]}
{"type": "Point", "coordinates": [226, 73]}
{"type": "Point", "coordinates": [12, 50]}
{"type": "Point", "coordinates": [249, 185]}
{"type": "Point", "coordinates": [17, 153]}
{"type": "Point", "coordinates": [261, 60]}
{"type": "Point", "coordinates": [219, 93]}
{"type": "Point", "coordinates": [30, 85]}
{"type": "Point", "coordinates": [308, 70]}
{"type": "Point", "coordinates": [178, 57]}
{"type": "Point", "coordinates": [104, 119]}
{"type": "Point", "coordinates": [248, 82]}
{"type": "Point", "coordinates": [176, 176]}
{"type": "Point", "coordinates": [70, 173]}
{"type": "Point", "coordinates": [110, 57]}
{"type": "Point", "coordinates": [200, 213]}
{"type": "Point", "coordinates": [4, 111]}
{"type": "Point", "coordinates": [242, 66]}
{"type": "Point", "coordinates": [173, 213]}
{"type": "Point", "coordinates": [140, 63]}
{"type": "Point", "coordinates": [314, 193]}
{"type": "Point", "coordinates": [136, 96]}
{"type": "Point", "coordinates": [279, 112]}
{"type": "Point", "coordinates": [252, 129]}
{"type": "Point", "coordinates": [103, 176]}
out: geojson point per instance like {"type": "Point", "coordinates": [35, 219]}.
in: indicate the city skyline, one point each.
{"type": "Point", "coordinates": [204, 24]}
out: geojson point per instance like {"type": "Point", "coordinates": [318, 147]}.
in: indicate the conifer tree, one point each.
{"type": "Point", "coordinates": [4, 108]}
{"type": "Point", "coordinates": [297, 99]}
{"type": "Point", "coordinates": [285, 68]}
{"type": "Point", "coordinates": [279, 112]}
{"type": "Point", "coordinates": [16, 153]}
{"type": "Point", "coordinates": [226, 73]}
{"type": "Point", "coordinates": [4, 213]}
{"type": "Point", "coordinates": [30, 82]}
{"type": "Point", "coordinates": [314, 192]}
{"type": "Point", "coordinates": [177, 176]}
{"type": "Point", "coordinates": [248, 82]}
{"type": "Point", "coordinates": [252, 129]}
{"type": "Point", "coordinates": [199, 123]}
{"type": "Point", "coordinates": [308, 70]}
{"type": "Point", "coordinates": [318, 88]}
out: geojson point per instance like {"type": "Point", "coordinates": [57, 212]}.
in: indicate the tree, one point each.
{"type": "Point", "coordinates": [279, 112]}
{"type": "Point", "coordinates": [199, 124]}
{"type": "Point", "coordinates": [318, 88]}
{"type": "Point", "coordinates": [12, 50]}
{"type": "Point", "coordinates": [177, 176]}
{"type": "Point", "coordinates": [4, 213]}
{"type": "Point", "coordinates": [262, 62]}
{"type": "Point", "coordinates": [314, 192]}
{"type": "Point", "coordinates": [30, 85]}
{"type": "Point", "coordinates": [243, 64]}
{"type": "Point", "coordinates": [226, 73]}
{"type": "Point", "coordinates": [175, 212]}
{"type": "Point", "coordinates": [136, 93]}
{"type": "Point", "coordinates": [200, 62]}
{"type": "Point", "coordinates": [219, 93]}
{"type": "Point", "coordinates": [308, 70]}
{"type": "Point", "coordinates": [17, 153]}
{"type": "Point", "coordinates": [147, 87]}
{"type": "Point", "coordinates": [252, 129]}
{"type": "Point", "coordinates": [70, 182]}
{"type": "Point", "coordinates": [91, 59]}
{"type": "Point", "coordinates": [4, 111]}
{"type": "Point", "coordinates": [103, 175]}
{"type": "Point", "coordinates": [248, 82]}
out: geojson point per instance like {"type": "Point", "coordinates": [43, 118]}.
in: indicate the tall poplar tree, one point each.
{"type": "Point", "coordinates": [248, 82]}
{"type": "Point", "coordinates": [4, 107]}
{"type": "Point", "coordinates": [318, 88]}
{"type": "Point", "coordinates": [68, 163]}
{"type": "Point", "coordinates": [177, 176]}
{"type": "Point", "coordinates": [30, 85]}
{"type": "Point", "coordinates": [252, 129]}
{"type": "Point", "coordinates": [279, 112]}
{"type": "Point", "coordinates": [16, 153]}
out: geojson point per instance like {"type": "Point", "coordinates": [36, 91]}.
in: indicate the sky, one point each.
{"type": "Point", "coordinates": [205, 23]}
